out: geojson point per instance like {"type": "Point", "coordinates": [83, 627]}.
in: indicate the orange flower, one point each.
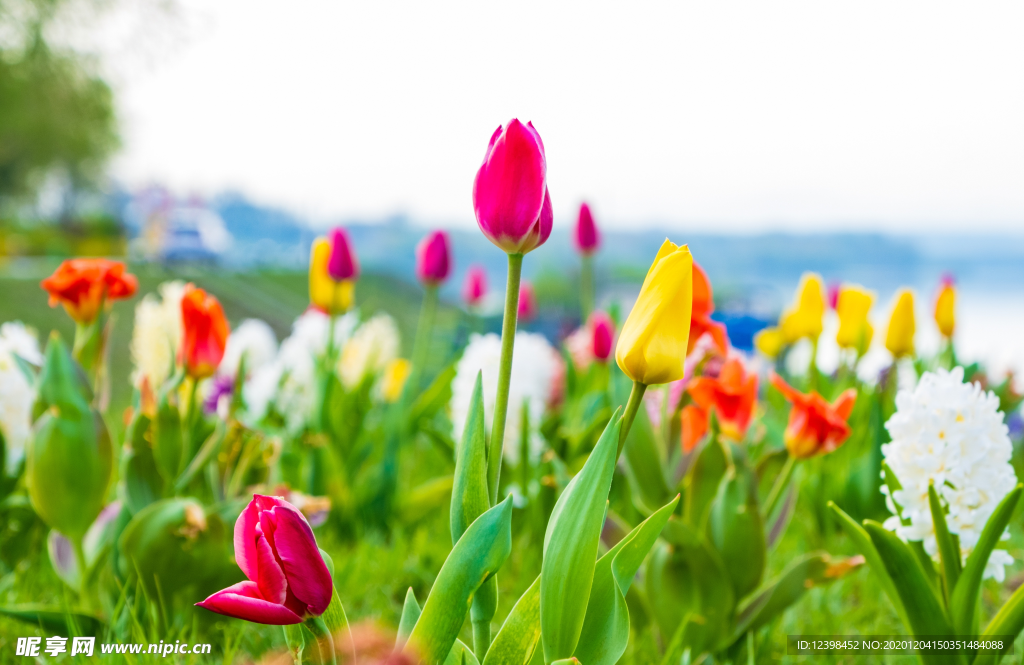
{"type": "Point", "coordinates": [731, 395]}
{"type": "Point", "coordinates": [815, 426]}
{"type": "Point", "coordinates": [84, 285]}
{"type": "Point", "coordinates": [205, 332]}
{"type": "Point", "coordinates": [700, 318]}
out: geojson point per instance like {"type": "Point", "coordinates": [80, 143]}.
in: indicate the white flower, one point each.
{"type": "Point", "coordinates": [16, 393]}
{"type": "Point", "coordinates": [535, 368]}
{"type": "Point", "coordinates": [157, 335]}
{"type": "Point", "coordinates": [374, 345]}
{"type": "Point", "coordinates": [255, 340]}
{"type": "Point", "coordinates": [952, 434]}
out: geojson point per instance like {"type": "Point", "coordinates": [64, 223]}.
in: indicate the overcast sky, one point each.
{"type": "Point", "coordinates": [738, 116]}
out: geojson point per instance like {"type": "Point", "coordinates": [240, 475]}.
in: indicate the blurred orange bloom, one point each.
{"type": "Point", "coordinates": [205, 332]}
{"type": "Point", "coordinates": [731, 395]}
{"type": "Point", "coordinates": [700, 319]}
{"type": "Point", "coordinates": [815, 426]}
{"type": "Point", "coordinates": [83, 285]}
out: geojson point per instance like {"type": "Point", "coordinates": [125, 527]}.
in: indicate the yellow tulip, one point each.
{"type": "Point", "coordinates": [899, 339]}
{"type": "Point", "coordinates": [393, 381]}
{"type": "Point", "coordinates": [855, 331]}
{"type": "Point", "coordinates": [325, 293]}
{"type": "Point", "coordinates": [945, 305]}
{"type": "Point", "coordinates": [652, 344]}
{"type": "Point", "coordinates": [769, 341]}
{"type": "Point", "coordinates": [804, 318]}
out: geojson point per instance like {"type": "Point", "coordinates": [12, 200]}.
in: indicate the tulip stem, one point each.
{"type": "Point", "coordinates": [780, 485]}
{"type": "Point", "coordinates": [508, 339]}
{"type": "Point", "coordinates": [76, 545]}
{"type": "Point", "coordinates": [586, 285]}
{"type": "Point", "coordinates": [422, 342]}
{"type": "Point", "coordinates": [636, 397]}
{"type": "Point", "coordinates": [324, 640]}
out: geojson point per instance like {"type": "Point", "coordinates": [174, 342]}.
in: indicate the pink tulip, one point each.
{"type": "Point", "coordinates": [833, 294]}
{"type": "Point", "coordinates": [527, 302]}
{"type": "Point", "coordinates": [602, 331]}
{"type": "Point", "coordinates": [433, 258]}
{"type": "Point", "coordinates": [475, 287]}
{"type": "Point", "coordinates": [275, 548]}
{"type": "Point", "coordinates": [342, 263]}
{"type": "Point", "coordinates": [510, 193]}
{"type": "Point", "coordinates": [587, 237]}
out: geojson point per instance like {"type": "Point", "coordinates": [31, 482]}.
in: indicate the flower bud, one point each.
{"type": "Point", "coordinates": [945, 307]}
{"type": "Point", "coordinates": [342, 263]}
{"type": "Point", "coordinates": [205, 332]}
{"type": "Point", "coordinates": [527, 302]}
{"type": "Point", "coordinates": [474, 289]}
{"type": "Point", "coordinates": [325, 293]}
{"type": "Point", "coordinates": [586, 236]}
{"type": "Point", "coordinates": [602, 333]}
{"type": "Point", "coordinates": [433, 258]}
{"type": "Point", "coordinates": [899, 338]}
{"type": "Point", "coordinates": [853, 304]}
{"type": "Point", "coordinates": [805, 317]}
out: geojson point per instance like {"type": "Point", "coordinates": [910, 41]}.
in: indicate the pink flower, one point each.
{"type": "Point", "coordinates": [475, 287]}
{"type": "Point", "coordinates": [288, 579]}
{"type": "Point", "coordinates": [527, 302]}
{"type": "Point", "coordinates": [602, 332]}
{"type": "Point", "coordinates": [510, 193]}
{"type": "Point", "coordinates": [433, 258]}
{"type": "Point", "coordinates": [833, 294]}
{"type": "Point", "coordinates": [587, 237]}
{"type": "Point", "coordinates": [342, 263]}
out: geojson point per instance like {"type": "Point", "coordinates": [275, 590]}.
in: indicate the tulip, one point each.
{"type": "Point", "coordinates": [769, 341]}
{"type": "Point", "coordinates": [694, 425]}
{"type": "Point", "coordinates": [701, 322]}
{"type": "Point", "coordinates": [433, 258]}
{"type": "Point", "coordinates": [855, 331]}
{"type": "Point", "coordinates": [899, 338]}
{"type": "Point", "coordinates": [205, 332]}
{"type": "Point", "coordinates": [815, 426]}
{"type": "Point", "coordinates": [602, 332]}
{"type": "Point", "coordinates": [342, 263]}
{"type": "Point", "coordinates": [393, 380]}
{"type": "Point", "coordinates": [804, 318]}
{"type": "Point", "coordinates": [325, 292]}
{"type": "Point", "coordinates": [527, 309]}
{"type": "Point", "coordinates": [288, 579]}
{"type": "Point", "coordinates": [510, 194]}
{"type": "Point", "coordinates": [945, 303]}
{"type": "Point", "coordinates": [84, 286]}
{"type": "Point", "coordinates": [474, 289]}
{"type": "Point", "coordinates": [731, 395]}
{"type": "Point", "coordinates": [586, 236]}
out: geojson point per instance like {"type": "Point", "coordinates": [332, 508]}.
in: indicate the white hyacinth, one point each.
{"type": "Point", "coordinates": [952, 434]}
{"type": "Point", "coordinates": [374, 344]}
{"type": "Point", "coordinates": [254, 339]}
{"type": "Point", "coordinates": [16, 392]}
{"type": "Point", "coordinates": [535, 368]}
{"type": "Point", "coordinates": [157, 335]}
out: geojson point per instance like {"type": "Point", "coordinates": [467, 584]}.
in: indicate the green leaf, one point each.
{"type": "Point", "coordinates": [703, 480]}
{"type": "Point", "coordinates": [949, 553]}
{"type": "Point", "coordinates": [410, 615]}
{"type": "Point", "coordinates": [736, 530]}
{"type": "Point", "coordinates": [337, 624]}
{"type": "Point", "coordinates": [56, 620]}
{"type": "Point", "coordinates": [570, 547]}
{"type": "Point", "coordinates": [606, 626]}
{"type": "Point", "coordinates": [460, 655]}
{"type": "Point", "coordinates": [469, 490]}
{"type": "Point", "coordinates": [143, 483]}
{"type": "Point", "coordinates": [964, 599]}
{"type": "Point", "coordinates": [435, 397]}
{"type": "Point", "coordinates": [480, 552]}
{"type": "Point", "coordinates": [517, 639]}
{"type": "Point", "coordinates": [206, 452]}
{"type": "Point", "coordinates": [1009, 620]}
{"type": "Point", "coordinates": [168, 441]}
{"type": "Point", "coordinates": [644, 462]}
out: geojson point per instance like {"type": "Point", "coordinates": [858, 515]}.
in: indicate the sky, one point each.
{"type": "Point", "coordinates": [724, 116]}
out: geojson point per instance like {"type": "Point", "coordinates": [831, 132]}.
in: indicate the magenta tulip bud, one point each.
{"type": "Point", "coordinates": [510, 193]}
{"type": "Point", "coordinates": [587, 237]}
{"type": "Point", "coordinates": [475, 287]}
{"type": "Point", "coordinates": [433, 258]}
{"type": "Point", "coordinates": [527, 302]}
{"type": "Point", "coordinates": [288, 579]}
{"type": "Point", "coordinates": [602, 333]}
{"type": "Point", "coordinates": [342, 263]}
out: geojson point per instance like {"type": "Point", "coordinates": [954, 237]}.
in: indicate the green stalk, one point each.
{"type": "Point", "coordinates": [636, 396]}
{"type": "Point", "coordinates": [76, 545]}
{"type": "Point", "coordinates": [780, 485]}
{"type": "Point", "coordinates": [586, 285]}
{"type": "Point", "coordinates": [324, 639]}
{"type": "Point", "coordinates": [812, 367]}
{"type": "Point", "coordinates": [508, 340]}
{"type": "Point", "coordinates": [422, 342]}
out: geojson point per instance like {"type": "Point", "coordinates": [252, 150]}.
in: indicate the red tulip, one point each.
{"type": "Point", "coordinates": [602, 332]}
{"type": "Point", "coordinates": [815, 426]}
{"type": "Point", "coordinates": [510, 193]}
{"type": "Point", "coordinates": [288, 579]}
{"type": "Point", "coordinates": [587, 237]}
{"type": "Point", "coordinates": [205, 332]}
{"type": "Point", "coordinates": [342, 263]}
{"type": "Point", "coordinates": [474, 289]}
{"type": "Point", "coordinates": [731, 395]}
{"type": "Point", "coordinates": [527, 302]}
{"type": "Point", "coordinates": [84, 285]}
{"type": "Point", "coordinates": [433, 258]}
{"type": "Point", "coordinates": [700, 317]}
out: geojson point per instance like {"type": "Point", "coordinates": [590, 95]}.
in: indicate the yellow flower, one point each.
{"type": "Point", "coordinates": [395, 375]}
{"type": "Point", "coordinates": [945, 304]}
{"type": "Point", "coordinates": [769, 341]}
{"type": "Point", "coordinates": [804, 318]}
{"type": "Point", "coordinates": [899, 339]}
{"type": "Point", "coordinates": [652, 344]}
{"type": "Point", "coordinates": [325, 293]}
{"type": "Point", "coordinates": [855, 331]}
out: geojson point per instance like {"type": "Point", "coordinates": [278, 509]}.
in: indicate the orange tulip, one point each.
{"type": "Point", "coordinates": [815, 426]}
{"type": "Point", "coordinates": [731, 395]}
{"type": "Point", "coordinates": [205, 332]}
{"type": "Point", "coordinates": [84, 285]}
{"type": "Point", "coordinates": [700, 318]}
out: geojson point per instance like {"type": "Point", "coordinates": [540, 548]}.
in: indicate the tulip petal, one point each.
{"type": "Point", "coordinates": [843, 406]}
{"type": "Point", "coordinates": [243, 601]}
{"type": "Point", "coordinates": [269, 576]}
{"type": "Point", "coordinates": [245, 540]}
{"type": "Point", "coordinates": [308, 577]}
